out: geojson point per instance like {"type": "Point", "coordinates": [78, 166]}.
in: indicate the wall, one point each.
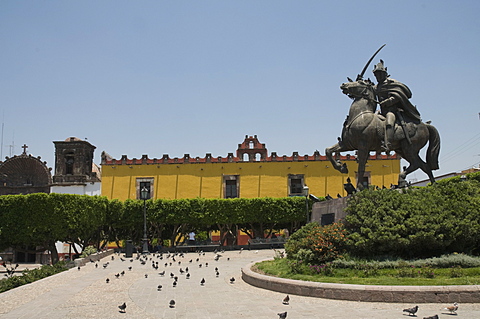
{"type": "Point", "coordinates": [90, 189]}
{"type": "Point", "coordinates": [190, 178]}
{"type": "Point", "coordinates": [334, 206]}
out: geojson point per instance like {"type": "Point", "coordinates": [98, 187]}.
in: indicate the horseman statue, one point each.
{"type": "Point", "coordinates": [398, 128]}
{"type": "Point", "coordinates": [393, 97]}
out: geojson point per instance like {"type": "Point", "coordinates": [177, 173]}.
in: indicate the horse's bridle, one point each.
{"type": "Point", "coordinates": [363, 95]}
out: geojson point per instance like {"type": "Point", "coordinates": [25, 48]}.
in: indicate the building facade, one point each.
{"type": "Point", "coordinates": [250, 173]}
{"type": "Point", "coordinates": [75, 171]}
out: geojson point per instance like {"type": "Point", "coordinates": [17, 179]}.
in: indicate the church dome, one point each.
{"type": "Point", "coordinates": [24, 174]}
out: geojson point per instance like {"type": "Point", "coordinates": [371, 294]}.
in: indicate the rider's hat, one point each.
{"type": "Point", "coordinates": [379, 67]}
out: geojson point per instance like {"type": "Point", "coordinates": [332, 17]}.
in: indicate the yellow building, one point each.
{"type": "Point", "coordinates": [251, 173]}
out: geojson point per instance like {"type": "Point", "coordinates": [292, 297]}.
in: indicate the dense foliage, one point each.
{"type": "Point", "coordinates": [419, 222]}
{"type": "Point", "coordinates": [440, 219]}
{"type": "Point", "coordinates": [314, 244]}
{"type": "Point", "coordinates": [42, 219]}
{"type": "Point", "coordinates": [29, 276]}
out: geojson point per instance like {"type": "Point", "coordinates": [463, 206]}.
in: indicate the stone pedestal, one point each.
{"type": "Point", "coordinates": [329, 211]}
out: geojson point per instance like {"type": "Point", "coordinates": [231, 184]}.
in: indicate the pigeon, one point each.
{"type": "Point", "coordinates": [186, 269]}
{"type": "Point", "coordinates": [162, 273]}
{"type": "Point", "coordinates": [172, 303]}
{"type": "Point", "coordinates": [217, 274]}
{"type": "Point", "coordinates": [130, 268]}
{"type": "Point", "coordinates": [175, 278]}
{"type": "Point", "coordinates": [123, 307]}
{"type": "Point", "coordinates": [107, 280]}
{"type": "Point", "coordinates": [187, 275]}
{"type": "Point", "coordinates": [431, 317]}
{"type": "Point", "coordinates": [202, 282]}
{"type": "Point", "coordinates": [282, 315]}
{"type": "Point", "coordinates": [172, 275]}
{"type": "Point", "coordinates": [78, 267]}
{"type": "Point", "coordinates": [232, 280]}
{"type": "Point", "coordinates": [452, 309]}
{"type": "Point", "coordinates": [286, 300]}
{"type": "Point", "coordinates": [117, 275]}
{"type": "Point", "coordinates": [96, 265]}
{"type": "Point", "coordinates": [122, 273]}
{"type": "Point", "coordinates": [159, 287]}
{"type": "Point", "coordinates": [146, 275]}
{"type": "Point", "coordinates": [174, 284]}
{"type": "Point", "coordinates": [411, 311]}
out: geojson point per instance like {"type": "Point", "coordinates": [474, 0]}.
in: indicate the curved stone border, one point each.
{"type": "Point", "coordinates": [401, 294]}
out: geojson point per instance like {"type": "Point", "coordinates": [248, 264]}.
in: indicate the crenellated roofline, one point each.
{"type": "Point", "coordinates": [187, 159]}
{"type": "Point", "coordinates": [250, 146]}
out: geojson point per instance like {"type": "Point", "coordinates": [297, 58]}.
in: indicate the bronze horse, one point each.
{"type": "Point", "coordinates": [364, 131]}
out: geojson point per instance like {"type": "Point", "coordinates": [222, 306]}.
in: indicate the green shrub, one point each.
{"type": "Point", "coordinates": [87, 251]}
{"type": "Point", "coordinates": [32, 275]}
{"type": "Point", "coordinates": [315, 244]}
{"type": "Point", "coordinates": [444, 261]}
{"type": "Point", "coordinates": [451, 260]}
{"type": "Point", "coordinates": [418, 222]}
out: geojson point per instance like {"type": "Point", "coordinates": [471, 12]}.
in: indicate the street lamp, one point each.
{"type": "Point", "coordinates": [144, 195]}
{"type": "Point", "coordinates": [305, 193]}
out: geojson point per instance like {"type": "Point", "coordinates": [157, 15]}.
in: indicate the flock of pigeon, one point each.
{"type": "Point", "coordinates": [412, 311]}
{"type": "Point", "coordinates": [176, 259]}
{"type": "Point", "coordinates": [180, 264]}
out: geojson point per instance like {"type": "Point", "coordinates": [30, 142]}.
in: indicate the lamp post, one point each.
{"type": "Point", "coordinates": [305, 193]}
{"type": "Point", "coordinates": [144, 195]}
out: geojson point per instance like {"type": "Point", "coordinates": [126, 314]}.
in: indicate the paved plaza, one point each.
{"type": "Point", "coordinates": [85, 293]}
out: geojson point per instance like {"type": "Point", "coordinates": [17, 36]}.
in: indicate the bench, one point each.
{"type": "Point", "coordinates": [207, 245]}
{"type": "Point", "coordinates": [263, 243]}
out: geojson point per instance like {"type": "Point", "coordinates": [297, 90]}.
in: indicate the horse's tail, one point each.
{"type": "Point", "coordinates": [433, 150]}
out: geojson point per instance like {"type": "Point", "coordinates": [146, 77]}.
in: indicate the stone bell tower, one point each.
{"type": "Point", "coordinates": [74, 162]}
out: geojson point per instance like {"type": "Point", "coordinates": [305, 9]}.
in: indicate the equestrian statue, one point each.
{"type": "Point", "coordinates": [397, 127]}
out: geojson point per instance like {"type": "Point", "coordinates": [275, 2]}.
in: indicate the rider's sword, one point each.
{"type": "Point", "coordinates": [360, 76]}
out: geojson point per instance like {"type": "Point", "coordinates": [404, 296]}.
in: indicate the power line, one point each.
{"type": "Point", "coordinates": [462, 148]}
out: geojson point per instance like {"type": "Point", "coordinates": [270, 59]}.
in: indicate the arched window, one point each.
{"type": "Point", "coordinates": [69, 160]}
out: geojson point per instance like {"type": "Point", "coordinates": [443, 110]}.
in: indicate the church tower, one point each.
{"type": "Point", "coordinates": [74, 162]}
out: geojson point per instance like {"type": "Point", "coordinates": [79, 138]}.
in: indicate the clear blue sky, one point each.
{"type": "Point", "coordinates": [176, 77]}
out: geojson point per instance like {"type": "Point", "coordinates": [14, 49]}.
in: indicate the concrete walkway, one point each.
{"type": "Point", "coordinates": [85, 294]}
